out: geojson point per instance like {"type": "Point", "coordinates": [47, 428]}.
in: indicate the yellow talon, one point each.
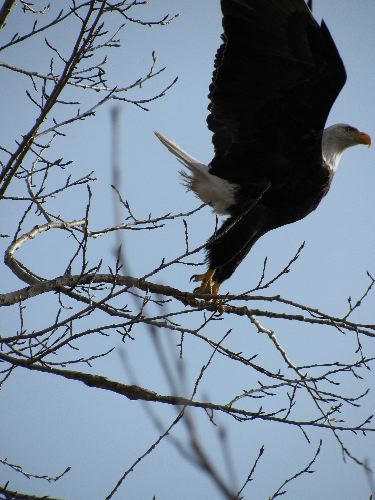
{"type": "Point", "coordinates": [206, 280]}
{"type": "Point", "coordinates": [209, 287]}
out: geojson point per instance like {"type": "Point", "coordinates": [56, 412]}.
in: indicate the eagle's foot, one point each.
{"type": "Point", "coordinates": [208, 287]}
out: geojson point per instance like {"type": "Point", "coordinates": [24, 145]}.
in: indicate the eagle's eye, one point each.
{"type": "Point", "coordinates": [350, 129]}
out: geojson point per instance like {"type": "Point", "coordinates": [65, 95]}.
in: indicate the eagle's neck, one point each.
{"type": "Point", "coordinates": [332, 149]}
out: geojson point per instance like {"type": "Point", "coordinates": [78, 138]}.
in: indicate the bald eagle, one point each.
{"type": "Point", "coordinates": [276, 77]}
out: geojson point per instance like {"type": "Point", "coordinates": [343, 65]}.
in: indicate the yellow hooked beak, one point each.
{"type": "Point", "coordinates": [364, 138]}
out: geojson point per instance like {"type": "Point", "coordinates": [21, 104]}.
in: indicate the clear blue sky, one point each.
{"type": "Point", "coordinates": [46, 423]}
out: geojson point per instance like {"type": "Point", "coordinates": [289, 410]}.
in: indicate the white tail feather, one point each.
{"type": "Point", "coordinates": [185, 158]}
{"type": "Point", "coordinates": [211, 189]}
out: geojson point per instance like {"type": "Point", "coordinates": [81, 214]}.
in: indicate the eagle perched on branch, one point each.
{"type": "Point", "coordinates": [276, 77]}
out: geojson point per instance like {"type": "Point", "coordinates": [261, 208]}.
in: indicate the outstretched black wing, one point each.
{"type": "Point", "coordinates": [276, 76]}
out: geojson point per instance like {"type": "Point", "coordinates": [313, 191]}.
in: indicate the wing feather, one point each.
{"type": "Point", "coordinates": [276, 77]}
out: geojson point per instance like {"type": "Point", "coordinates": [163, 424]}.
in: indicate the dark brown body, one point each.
{"type": "Point", "coordinates": [254, 216]}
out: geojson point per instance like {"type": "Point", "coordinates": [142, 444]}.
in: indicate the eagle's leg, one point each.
{"type": "Point", "coordinates": [216, 289]}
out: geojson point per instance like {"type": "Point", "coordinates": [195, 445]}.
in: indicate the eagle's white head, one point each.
{"type": "Point", "coordinates": [339, 137]}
